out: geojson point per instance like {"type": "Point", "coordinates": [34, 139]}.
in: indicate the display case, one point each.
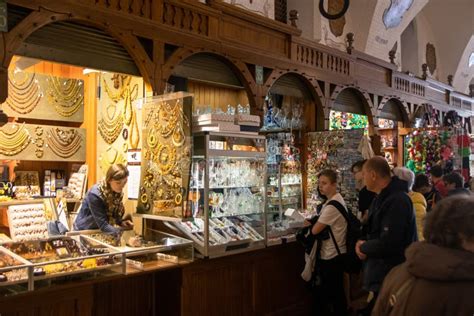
{"type": "Point", "coordinates": [151, 250]}
{"type": "Point", "coordinates": [284, 199]}
{"type": "Point", "coordinates": [49, 259]}
{"type": "Point", "coordinates": [14, 272]}
{"type": "Point", "coordinates": [227, 194]}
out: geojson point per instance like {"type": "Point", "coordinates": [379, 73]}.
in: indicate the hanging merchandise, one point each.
{"type": "Point", "coordinates": [121, 83]}
{"type": "Point", "coordinates": [166, 155]}
{"type": "Point", "coordinates": [23, 94]}
{"type": "Point", "coordinates": [134, 132]}
{"type": "Point", "coordinates": [426, 148]}
{"type": "Point", "coordinates": [66, 95]}
{"type": "Point", "coordinates": [109, 157]}
{"type": "Point", "coordinates": [336, 150]}
{"type": "Point", "coordinates": [345, 120]}
{"type": "Point", "coordinates": [110, 124]}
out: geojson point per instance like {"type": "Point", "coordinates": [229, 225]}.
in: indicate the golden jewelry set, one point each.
{"type": "Point", "coordinates": [66, 95]}
{"type": "Point", "coordinates": [12, 143]}
{"type": "Point", "coordinates": [164, 143]}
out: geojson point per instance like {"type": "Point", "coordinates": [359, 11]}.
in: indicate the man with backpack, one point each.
{"type": "Point", "coordinates": [331, 230]}
{"type": "Point", "coordinates": [391, 226]}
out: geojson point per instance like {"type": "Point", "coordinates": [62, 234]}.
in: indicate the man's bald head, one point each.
{"type": "Point", "coordinates": [378, 165]}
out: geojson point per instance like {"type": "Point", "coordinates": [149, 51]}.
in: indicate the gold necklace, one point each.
{"type": "Point", "coordinates": [25, 95]}
{"type": "Point", "coordinates": [127, 108]}
{"type": "Point", "coordinates": [66, 95]}
{"type": "Point", "coordinates": [64, 143]}
{"type": "Point", "coordinates": [134, 137]}
{"type": "Point", "coordinates": [110, 127]}
{"type": "Point", "coordinates": [12, 143]}
{"type": "Point", "coordinates": [105, 161]}
{"type": "Point", "coordinates": [120, 86]}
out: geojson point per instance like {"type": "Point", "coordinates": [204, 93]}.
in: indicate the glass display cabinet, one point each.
{"type": "Point", "coordinates": [48, 259]}
{"type": "Point", "coordinates": [14, 272]}
{"type": "Point", "coordinates": [151, 250]}
{"type": "Point", "coordinates": [284, 200]}
{"type": "Point", "coordinates": [226, 194]}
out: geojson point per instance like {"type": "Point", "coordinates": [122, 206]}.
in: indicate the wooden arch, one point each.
{"type": "Point", "coordinates": [238, 67]}
{"type": "Point", "coordinates": [312, 86]}
{"type": "Point", "coordinates": [11, 41]}
{"type": "Point", "coordinates": [403, 106]}
{"type": "Point", "coordinates": [368, 104]}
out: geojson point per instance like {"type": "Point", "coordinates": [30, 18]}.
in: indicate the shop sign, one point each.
{"type": "Point", "coordinates": [258, 74]}
{"type": "Point", "coordinates": [3, 16]}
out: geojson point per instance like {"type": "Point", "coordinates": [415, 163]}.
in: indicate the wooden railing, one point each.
{"type": "Point", "coordinates": [460, 101]}
{"type": "Point", "coordinates": [408, 84]}
{"type": "Point", "coordinates": [184, 18]}
{"type": "Point", "coordinates": [311, 55]}
{"type": "Point", "coordinates": [141, 8]}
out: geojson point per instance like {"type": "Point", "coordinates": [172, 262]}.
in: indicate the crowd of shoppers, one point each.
{"type": "Point", "coordinates": [417, 246]}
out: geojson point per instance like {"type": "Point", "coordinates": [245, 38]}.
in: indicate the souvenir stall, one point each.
{"type": "Point", "coordinates": [289, 110]}
{"type": "Point", "coordinates": [336, 150]}
{"type": "Point", "coordinates": [390, 120]}
{"type": "Point", "coordinates": [431, 142]}
{"type": "Point", "coordinates": [66, 125]}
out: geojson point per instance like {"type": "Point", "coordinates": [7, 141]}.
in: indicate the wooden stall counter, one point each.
{"type": "Point", "coordinates": [261, 282]}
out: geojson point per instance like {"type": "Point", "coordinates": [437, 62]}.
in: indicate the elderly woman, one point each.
{"type": "Point", "coordinates": [438, 275]}
{"type": "Point", "coordinates": [102, 207]}
{"type": "Point", "coordinates": [418, 200]}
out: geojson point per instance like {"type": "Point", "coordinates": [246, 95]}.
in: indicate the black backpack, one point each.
{"type": "Point", "coordinates": [352, 263]}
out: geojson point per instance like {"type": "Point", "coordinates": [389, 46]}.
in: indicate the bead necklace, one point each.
{"type": "Point", "coordinates": [110, 127]}
{"type": "Point", "coordinates": [15, 142]}
{"type": "Point", "coordinates": [121, 87]}
{"type": "Point", "coordinates": [134, 132]}
{"type": "Point", "coordinates": [105, 161]}
{"type": "Point", "coordinates": [64, 143]}
{"type": "Point", "coordinates": [66, 95]}
{"type": "Point", "coordinates": [25, 95]}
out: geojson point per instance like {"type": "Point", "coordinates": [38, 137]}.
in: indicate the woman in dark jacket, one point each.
{"type": "Point", "coordinates": [102, 207]}
{"type": "Point", "coordinates": [438, 275]}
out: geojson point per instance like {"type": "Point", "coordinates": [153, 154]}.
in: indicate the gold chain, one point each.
{"type": "Point", "coordinates": [13, 143]}
{"type": "Point", "coordinates": [64, 143]}
{"type": "Point", "coordinates": [66, 95]}
{"type": "Point", "coordinates": [117, 96]}
{"type": "Point", "coordinates": [25, 95]}
{"type": "Point", "coordinates": [110, 127]}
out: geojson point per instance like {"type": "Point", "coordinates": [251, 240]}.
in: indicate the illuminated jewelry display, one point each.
{"type": "Point", "coordinates": [24, 95]}
{"type": "Point", "coordinates": [110, 126]}
{"type": "Point", "coordinates": [164, 147]}
{"type": "Point", "coordinates": [64, 142]}
{"type": "Point", "coordinates": [12, 143]}
{"type": "Point", "coordinates": [66, 95]}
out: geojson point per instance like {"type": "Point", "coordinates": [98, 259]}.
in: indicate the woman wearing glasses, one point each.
{"type": "Point", "coordinates": [102, 207]}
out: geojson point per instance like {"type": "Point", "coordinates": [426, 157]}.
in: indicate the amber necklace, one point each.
{"type": "Point", "coordinates": [66, 95]}
{"type": "Point", "coordinates": [64, 143]}
{"type": "Point", "coordinates": [24, 95]}
{"type": "Point", "coordinates": [121, 87]}
{"type": "Point", "coordinates": [12, 143]}
{"type": "Point", "coordinates": [110, 126]}
{"type": "Point", "coordinates": [109, 157]}
{"type": "Point", "coordinates": [134, 137]}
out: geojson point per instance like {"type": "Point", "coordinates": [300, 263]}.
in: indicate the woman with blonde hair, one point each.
{"type": "Point", "coordinates": [102, 207]}
{"type": "Point", "coordinates": [418, 200]}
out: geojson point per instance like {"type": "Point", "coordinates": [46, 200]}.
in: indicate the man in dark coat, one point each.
{"type": "Point", "coordinates": [391, 225]}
